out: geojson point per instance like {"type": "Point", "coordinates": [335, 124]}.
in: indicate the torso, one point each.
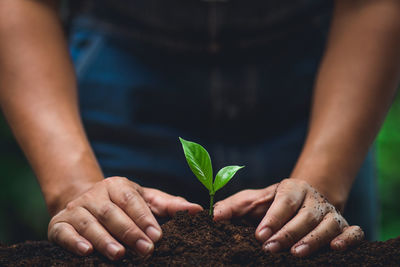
{"type": "Point", "coordinates": [209, 25]}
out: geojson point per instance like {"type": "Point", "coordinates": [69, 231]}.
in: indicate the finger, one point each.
{"type": "Point", "coordinates": [164, 204]}
{"type": "Point", "coordinates": [121, 226]}
{"type": "Point", "coordinates": [329, 228]}
{"type": "Point", "coordinates": [132, 203]}
{"type": "Point", "coordinates": [304, 222]}
{"type": "Point", "coordinates": [88, 227]}
{"type": "Point", "coordinates": [66, 236]}
{"type": "Point", "coordinates": [248, 202]}
{"type": "Point", "coordinates": [351, 236]}
{"type": "Point", "coordinates": [288, 198]}
{"type": "Point", "coordinates": [178, 203]}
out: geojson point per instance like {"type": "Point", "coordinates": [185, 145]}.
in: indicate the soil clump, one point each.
{"type": "Point", "coordinates": [198, 241]}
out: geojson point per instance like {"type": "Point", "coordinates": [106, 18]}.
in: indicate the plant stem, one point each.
{"type": "Point", "coordinates": [211, 212]}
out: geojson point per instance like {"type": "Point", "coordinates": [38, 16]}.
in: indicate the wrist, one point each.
{"type": "Point", "coordinates": [335, 193]}
{"type": "Point", "coordinates": [327, 177]}
{"type": "Point", "coordinates": [58, 199]}
{"type": "Point", "coordinates": [69, 177]}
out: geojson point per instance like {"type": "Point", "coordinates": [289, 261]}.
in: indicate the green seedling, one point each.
{"type": "Point", "coordinates": [200, 163]}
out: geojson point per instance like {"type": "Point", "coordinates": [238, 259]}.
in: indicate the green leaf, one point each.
{"type": "Point", "coordinates": [199, 162]}
{"type": "Point", "coordinates": [225, 175]}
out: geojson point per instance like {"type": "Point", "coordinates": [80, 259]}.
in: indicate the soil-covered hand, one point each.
{"type": "Point", "coordinates": [296, 216]}
{"type": "Point", "coordinates": [113, 212]}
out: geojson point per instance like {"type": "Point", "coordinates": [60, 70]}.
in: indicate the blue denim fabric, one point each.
{"type": "Point", "coordinates": [249, 108]}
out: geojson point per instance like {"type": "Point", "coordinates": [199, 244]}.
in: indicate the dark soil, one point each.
{"type": "Point", "coordinates": [198, 241]}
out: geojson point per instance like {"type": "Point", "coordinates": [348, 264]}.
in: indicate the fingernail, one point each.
{"type": "Point", "coordinates": [272, 246]}
{"type": "Point", "coordinates": [302, 249]}
{"type": "Point", "coordinates": [144, 246]}
{"type": "Point", "coordinates": [264, 234]}
{"type": "Point", "coordinates": [153, 233]}
{"type": "Point", "coordinates": [83, 248]}
{"type": "Point", "coordinates": [112, 250]}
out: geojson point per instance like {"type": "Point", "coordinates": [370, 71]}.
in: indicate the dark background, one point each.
{"type": "Point", "coordinates": [23, 213]}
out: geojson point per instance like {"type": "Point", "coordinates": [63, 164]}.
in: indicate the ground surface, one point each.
{"type": "Point", "coordinates": [197, 241]}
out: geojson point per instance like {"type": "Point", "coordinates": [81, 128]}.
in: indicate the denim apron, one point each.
{"type": "Point", "coordinates": [233, 75]}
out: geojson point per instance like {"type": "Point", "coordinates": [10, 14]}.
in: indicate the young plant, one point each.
{"type": "Point", "coordinates": [200, 163]}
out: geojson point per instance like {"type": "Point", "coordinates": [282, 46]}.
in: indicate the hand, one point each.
{"type": "Point", "coordinates": [296, 217]}
{"type": "Point", "coordinates": [114, 209]}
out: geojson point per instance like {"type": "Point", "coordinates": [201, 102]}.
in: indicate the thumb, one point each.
{"type": "Point", "coordinates": [254, 203]}
{"type": "Point", "coordinates": [179, 203]}
{"type": "Point", "coordinates": [163, 204]}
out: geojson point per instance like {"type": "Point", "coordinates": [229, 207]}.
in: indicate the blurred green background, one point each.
{"type": "Point", "coordinates": [388, 166]}
{"type": "Point", "coordinates": [23, 213]}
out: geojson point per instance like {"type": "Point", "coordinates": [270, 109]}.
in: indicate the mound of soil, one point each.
{"type": "Point", "coordinates": [198, 241]}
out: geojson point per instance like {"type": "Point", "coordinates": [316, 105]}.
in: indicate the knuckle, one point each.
{"type": "Point", "coordinates": [285, 182]}
{"type": "Point", "coordinates": [311, 217]}
{"type": "Point", "coordinates": [83, 225]}
{"type": "Point", "coordinates": [55, 218]}
{"type": "Point", "coordinates": [151, 199]}
{"type": "Point", "coordinates": [50, 226]}
{"type": "Point", "coordinates": [85, 198]}
{"type": "Point", "coordinates": [130, 234]}
{"type": "Point", "coordinates": [122, 180]}
{"type": "Point", "coordinates": [339, 222]}
{"type": "Point", "coordinates": [290, 202]}
{"type": "Point", "coordinates": [110, 180]}
{"type": "Point", "coordinates": [54, 233]}
{"type": "Point", "coordinates": [112, 177]}
{"type": "Point", "coordinates": [334, 223]}
{"type": "Point", "coordinates": [330, 208]}
{"type": "Point", "coordinates": [115, 180]}
{"type": "Point", "coordinates": [58, 237]}
{"type": "Point", "coordinates": [302, 183]}
{"type": "Point", "coordinates": [136, 186]}
{"type": "Point", "coordinates": [105, 211]}
{"type": "Point", "coordinates": [127, 199]}
{"type": "Point", "coordinates": [71, 206]}
{"type": "Point", "coordinates": [119, 179]}
{"type": "Point", "coordinates": [263, 195]}
{"type": "Point", "coordinates": [101, 241]}
{"type": "Point", "coordinates": [141, 217]}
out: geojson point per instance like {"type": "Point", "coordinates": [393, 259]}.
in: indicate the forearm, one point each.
{"type": "Point", "coordinates": [355, 86]}
{"type": "Point", "coordinates": [38, 97]}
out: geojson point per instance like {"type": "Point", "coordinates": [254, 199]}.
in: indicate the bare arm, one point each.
{"type": "Point", "coordinates": [39, 99]}
{"type": "Point", "coordinates": [355, 86]}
